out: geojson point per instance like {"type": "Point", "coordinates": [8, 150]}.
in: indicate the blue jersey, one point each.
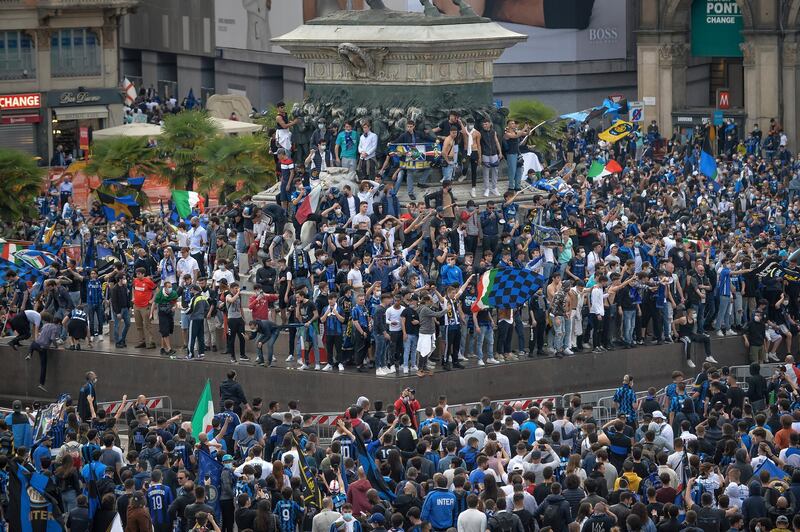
{"type": "Point", "coordinates": [185, 451]}
{"type": "Point", "coordinates": [159, 497]}
{"type": "Point", "coordinates": [289, 513]}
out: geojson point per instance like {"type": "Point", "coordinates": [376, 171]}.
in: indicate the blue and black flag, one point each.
{"type": "Point", "coordinates": [374, 476]}
{"type": "Point", "coordinates": [312, 496]}
{"type": "Point", "coordinates": [32, 505]}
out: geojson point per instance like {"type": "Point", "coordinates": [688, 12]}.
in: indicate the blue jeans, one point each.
{"type": "Point", "coordinates": [628, 324]}
{"type": "Point", "coordinates": [448, 171]}
{"type": "Point", "coordinates": [269, 341]}
{"type": "Point", "coordinates": [559, 330]}
{"type": "Point", "coordinates": [304, 334]}
{"type": "Point", "coordinates": [485, 332]}
{"type": "Point", "coordinates": [380, 350]}
{"type": "Point", "coordinates": [666, 316]}
{"type": "Point", "coordinates": [514, 177]}
{"type": "Point", "coordinates": [96, 315]}
{"type": "Point", "coordinates": [241, 247]}
{"type": "Point", "coordinates": [408, 175]}
{"type": "Point", "coordinates": [122, 321]}
{"type": "Point", "coordinates": [410, 350]}
{"type": "Point", "coordinates": [723, 321]}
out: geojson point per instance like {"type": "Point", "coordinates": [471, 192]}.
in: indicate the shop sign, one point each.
{"type": "Point", "coordinates": [10, 102]}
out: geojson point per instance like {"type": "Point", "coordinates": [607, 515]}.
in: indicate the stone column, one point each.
{"type": "Point", "coordinates": [663, 76]}
{"type": "Point", "coordinates": [791, 120]}
{"type": "Point", "coordinates": [760, 57]}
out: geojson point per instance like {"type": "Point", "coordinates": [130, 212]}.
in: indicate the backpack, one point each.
{"type": "Point", "coordinates": [697, 492]}
{"type": "Point", "coordinates": [652, 481]}
{"type": "Point", "coordinates": [552, 517]}
{"type": "Point", "coordinates": [504, 522]}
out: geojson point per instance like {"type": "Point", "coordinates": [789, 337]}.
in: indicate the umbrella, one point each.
{"type": "Point", "coordinates": [128, 130]}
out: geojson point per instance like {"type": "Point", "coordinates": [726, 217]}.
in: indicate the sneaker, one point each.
{"type": "Point", "coordinates": [549, 351]}
{"type": "Point", "coordinates": [327, 367]}
{"type": "Point", "coordinates": [730, 332]}
{"type": "Point", "coordinates": [243, 357]}
{"type": "Point", "coordinates": [341, 367]}
{"type": "Point", "coordinates": [303, 367]}
{"type": "Point", "coordinates": [472, 192]}
{"type": "Point", "coordinates": [171, 352]}
{"type": "Point", "coordinates": [289, 358]}
{"type": "Point", "coordinates": [41, 387]}
{"type": "Point", "coordinates": [773, 357]}
{"type": "Point", "coordinates": [162, 351]}
{"type": "Point", "coordinates": [405, 370]}
{"type": "Point", "coordinates": [597, 350]}
{"type": "Point", "coordinates": [233, 360]}
{"type": "Point", "coordinates": [481, 363]}
{"type": "Point", "coordinates": [495, 191]}
{"type": "Point", "coordinates": [720, 333]}
{"type": "Point", "coordinates": [140, 345]}
{"type": "Point", "coordinates": [486, 193]}
{"type": "Point", "coordinates": [568, 352]}
{"type": "Point", "coordinates": [714, 361]}
{"type": "Point", "coordinates": [390, 369]}
{"type": "Point", "coordinates": [690, 363]}
{"type": "Point", "coordinates": [412, 197]}
{"type": "Point", "coordinates": [316, 367]}
{"type": "Point", "coordinates": [380, 372]}
{"type": "Point", "coordinates": [188, 357]}
{"type": "Point", "coordinates": [493, 360]}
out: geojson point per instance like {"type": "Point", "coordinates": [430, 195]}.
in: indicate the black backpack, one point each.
{"type": "Point", "coordinates": [552, 517]}
{"type": "Point", "coordinates": [503, 522]}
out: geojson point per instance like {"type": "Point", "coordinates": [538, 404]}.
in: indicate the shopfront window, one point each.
{"type": "Point", "coordinates": [17, 56]}
{"type": "Point", "coordinates": [75, 53]}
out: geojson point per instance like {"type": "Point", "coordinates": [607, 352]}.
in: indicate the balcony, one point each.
{"type": "Point", "coordinates": [66, 4]}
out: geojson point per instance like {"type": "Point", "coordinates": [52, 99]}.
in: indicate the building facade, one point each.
{"type": "Point", "coordinates": [59, 76]}
{"type": "Point", "coordinates": [707, 60]}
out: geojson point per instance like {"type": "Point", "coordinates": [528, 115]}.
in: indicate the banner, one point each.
{"type": "Point", "coordinates": [415, 156]}
{"type": "Point", "coordinates": [83, 138]}
{"type": "Point", "coordinates": [211, 470]}
{"type": "Point", "coordinates": [312, 496]}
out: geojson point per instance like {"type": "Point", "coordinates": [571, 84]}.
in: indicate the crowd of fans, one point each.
{"type": "Point", "coordinates": [719, 459]}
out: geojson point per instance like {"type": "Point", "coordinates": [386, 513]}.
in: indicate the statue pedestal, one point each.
{"type": "Point", "coordinates": [392, 59]}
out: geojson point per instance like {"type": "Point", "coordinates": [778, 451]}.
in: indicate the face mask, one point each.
{"type": "Point", "coordinates": [347, 516]}
{"type": "Point", "coordinates": [470, 128]}
{"type": "Point", "coordinates": [338, 211]}
{"type": "Point", "coordinates": [323, 147]}
{"type": "Point", "coordinates": [229, 465]}
{"type": "Point", "coordinates": [471, 209]}
{"type": "Point", "coordinates": [167, 290]}
{"type": "Point", "coordinates": [321, 127]}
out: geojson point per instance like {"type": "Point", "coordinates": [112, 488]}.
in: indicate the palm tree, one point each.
{"type": "Point", "coordinates": [533, 113]}
{"type": "Point", "coordinates": [122, 157]}
{"type": "Point", "coordinates": [183, 137]}
{"type": "Point", "coordinates": [233, 162]}
{"type": "Point", "coordinates": [21, 183]}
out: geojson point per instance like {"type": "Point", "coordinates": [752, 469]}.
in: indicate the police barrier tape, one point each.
{"type": "Point", "coordinates": [158, 402]}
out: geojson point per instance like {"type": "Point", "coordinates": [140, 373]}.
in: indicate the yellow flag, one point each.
{"type": "Point", "coordinates": [619, 130]}
{"type": "Point", "coordinates": [48, 234]}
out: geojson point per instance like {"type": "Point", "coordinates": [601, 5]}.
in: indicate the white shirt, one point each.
{"type": "Point", "coordinates": [266, 467]}
{"type": "Point", "coordinates": [198, 238]}
{"type": "Point", "coordinates": [472, 520]}
{"type": "Point", "coordinates": [737, 493]}
{"type": "Point", "coordinates": [187, 265]}
{"type": "Point", "coordinates": [183, 239]}
{"type": "Point", "coordinates": [33, 317]}
{"type": "Point", "coordinates": [393, 318]}
{"type": "Point", "coordinates": [368, 143]}
{"type": "Point", "coordinates": [359, 219]}
{"type": "Point", "coordinates": [596, 298]}
{"type": "Point", "coordinates": [591, 261]}
{"type": "Point", "coordinates": [355, 279]}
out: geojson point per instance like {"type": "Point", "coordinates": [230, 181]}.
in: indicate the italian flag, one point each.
{"type": "Point", "coordinates": [309, 204]}
{"type": "Point", "coordinates": [204, 412]}
{"type": "Point", "coordinates": [485, 287]}
{"type": "Point", "coordinates": [598, 169]}
{"type": "Point", "coordinates": [185, 201]}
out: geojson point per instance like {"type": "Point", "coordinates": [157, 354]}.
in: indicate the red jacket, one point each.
{"type": "Point", "coordinates": [357, 496]}
{"type": "Point", "coordinates": [408, 407]}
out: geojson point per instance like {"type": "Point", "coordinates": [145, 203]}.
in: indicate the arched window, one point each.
{"type": "Point", "coordinates": [17, 55]}
{"type": "Point", "coordinates": [74, 53]}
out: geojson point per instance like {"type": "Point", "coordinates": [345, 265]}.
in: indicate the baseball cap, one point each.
{"type": "Point", "coordinates": [658, 415]}
{"type": "Point", "coordinates": [517, 467]}
{"type": "Point", "coordinates": [227, 458]}
{"type": "Point", "coordinates": [782, 519]}
{"type": "Point", "coordinates": [376, 518]}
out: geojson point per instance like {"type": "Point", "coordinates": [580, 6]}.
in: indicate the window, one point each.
{"type": "Point", "coordinates": [75, 53]}
{"type": "Point", "coordinates": [17, 55]}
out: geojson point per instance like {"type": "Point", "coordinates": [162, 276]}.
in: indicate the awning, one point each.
{"type": "Point", "coordinates": [81, 112]}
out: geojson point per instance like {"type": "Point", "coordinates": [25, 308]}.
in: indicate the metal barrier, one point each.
{"type": "Point", "coordinates": [742, 372]}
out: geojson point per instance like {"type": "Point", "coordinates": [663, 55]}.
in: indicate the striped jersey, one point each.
{"type": "Point", "coordinates": [159, 497]}
{"type": "Point", "coordinates": [289, 513]}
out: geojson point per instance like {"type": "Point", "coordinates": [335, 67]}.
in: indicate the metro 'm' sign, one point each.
{"type": "Point", "coordinates": [723, 99]}
{"type": "Point", "coordinates": [20, 101]}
